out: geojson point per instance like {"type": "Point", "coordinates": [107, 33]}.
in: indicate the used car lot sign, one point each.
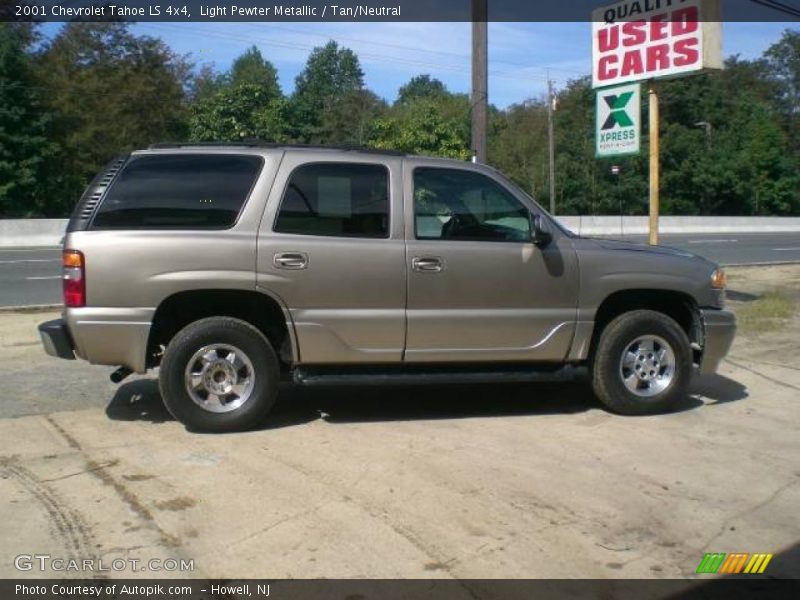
{"type": "Point", "coordinates": [634, 40]}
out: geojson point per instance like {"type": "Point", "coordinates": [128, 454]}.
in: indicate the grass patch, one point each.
{"type": "Point", "coordinates": [768, 313]}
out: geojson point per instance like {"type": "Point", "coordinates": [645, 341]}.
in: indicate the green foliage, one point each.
{"type": "Point", "coordinates": [420, 128]}
{"type": "Point", "coordinates": [95, 90]}
{"type": "Point", "coordinates": [783, 59]}
{"type": "Point", "coordinates": [24, 147]}
{"type": "Point", "coordinates": [245, 103]}
{"type": "Point", "coordinates": [522, 157]}
{"type": "Point", "coordinates": [251, 68]}
{"type": "Point", "coordinates": [742, 162]}
{"type": "Point", "coordinates": [421, 86]}
{"type": "Point", "coordinates": [205, 83]}
{"type": "Point", "coordinates": [331, 76]}
{"type": "Point", "coordinates": [426, 119]}
{"type": "Point", "coordinates": [235, 113]}
{"type": "Point", "coordinates": [109, 91]}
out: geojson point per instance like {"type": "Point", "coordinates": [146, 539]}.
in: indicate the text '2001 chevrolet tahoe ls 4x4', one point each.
{"type": "Point", "coordinates": [233, 267]}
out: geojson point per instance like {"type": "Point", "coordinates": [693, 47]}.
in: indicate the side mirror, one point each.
{"type": "Point", "coordinates": [539, 235]}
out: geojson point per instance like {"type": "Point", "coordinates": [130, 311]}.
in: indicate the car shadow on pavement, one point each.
{"type": "Point", "coordinates": [718, 389]}
{"type": "Point", "coordinates": [140, 400]}
{"type": "Point", "coordinates": [358, 403]}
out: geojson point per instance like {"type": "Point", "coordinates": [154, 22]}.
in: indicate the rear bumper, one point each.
{"type": "Point", "coordinates": [56, 339]}
{"type": "Point", "coordinates": [720, 329]}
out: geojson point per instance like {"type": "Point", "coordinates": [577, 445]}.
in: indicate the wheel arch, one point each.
{"type": "Point", "coordinates": [261, 309]}
{"type": "Point", "coordinates": [679, 306]}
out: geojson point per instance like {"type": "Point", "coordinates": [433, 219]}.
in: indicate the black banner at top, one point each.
{"type": "Point", "coordinates": [177, 11]}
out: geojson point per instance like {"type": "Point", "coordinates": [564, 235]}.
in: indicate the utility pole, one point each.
{"type": "Point", "coordinates": [551, 144]}
{"type": "Point", "coordinates": [480, 76]}
{"type": "Point", "coordinates": [654, 170]}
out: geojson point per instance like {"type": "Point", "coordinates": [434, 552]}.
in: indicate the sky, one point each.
{"type": "Point", "coordinates": [521, 55]}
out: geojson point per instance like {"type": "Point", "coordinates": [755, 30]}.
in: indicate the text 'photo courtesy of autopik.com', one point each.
{"type": "Point", "coordinates": [399, 300]}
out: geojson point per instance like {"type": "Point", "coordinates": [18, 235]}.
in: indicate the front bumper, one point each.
{"type": "Point", "coordinates": [56, 339]}
{"type": "Point", "coordinates": [720, 328]}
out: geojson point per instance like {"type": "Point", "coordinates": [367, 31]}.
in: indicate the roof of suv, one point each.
{"type": "Point", "coordinates": [269, 145]}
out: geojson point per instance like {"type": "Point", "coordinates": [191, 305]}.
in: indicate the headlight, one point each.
{"type": "Point", "coordinates": [718, 280]}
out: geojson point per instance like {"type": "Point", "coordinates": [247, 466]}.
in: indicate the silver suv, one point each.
{"type": "Point", "coordinates": [233, 267]}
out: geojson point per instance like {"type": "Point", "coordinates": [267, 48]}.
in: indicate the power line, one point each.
{"type": "Point", "coordinates": [778, 6]}
{"type": "Point", "coordinates": [383, 57]}
{"type": "Point", "coordinates": [412, 49]}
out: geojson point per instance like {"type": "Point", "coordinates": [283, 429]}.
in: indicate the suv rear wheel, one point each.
{"type": "Point", "coordinates": [219, 374]}
{"type": "Point", "coordinates": [642, 363]}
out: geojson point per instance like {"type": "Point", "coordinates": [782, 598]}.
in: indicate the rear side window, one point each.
{"type": "Point", "coordinates": [179, 191]}
{"type": "Point", "coordinates": [336, 199]}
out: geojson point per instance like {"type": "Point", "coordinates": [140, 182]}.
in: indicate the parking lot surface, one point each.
{"type": "Point", "coordinates": [494, 481]}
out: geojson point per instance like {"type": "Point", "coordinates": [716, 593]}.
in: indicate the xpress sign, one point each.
{"type": "Point", "coordinates": [646, 39]}
{"type": "Point", "coordinates": [618, 120]}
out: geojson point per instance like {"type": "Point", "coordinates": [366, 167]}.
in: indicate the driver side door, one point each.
{"type": "Point", "coordinates": [478, 288]}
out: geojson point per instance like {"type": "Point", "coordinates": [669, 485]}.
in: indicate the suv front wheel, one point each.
{"type": "Point", "coordinates": [219, 374]}
{"type": "Point", "coordinates": [642, 363]}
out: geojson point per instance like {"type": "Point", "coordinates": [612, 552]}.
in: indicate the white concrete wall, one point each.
{"type": "Point", "coordinates": [48, 232]}
{"type": "Point", "coordinates": [607, 225]}
{"type": "Point", "coordinates": [25, 233]}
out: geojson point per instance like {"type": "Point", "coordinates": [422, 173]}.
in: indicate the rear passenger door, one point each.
{"type": "Point", "coordinates": [331, 247]}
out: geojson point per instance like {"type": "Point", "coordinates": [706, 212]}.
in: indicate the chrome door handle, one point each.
{"type": "Point", "coordinates": [291, 260]}
{"type": "Point", "coordinates": [428, 264]}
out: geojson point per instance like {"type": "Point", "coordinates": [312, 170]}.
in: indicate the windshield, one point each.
{"type": "Point", "coordinates": [520, 192]}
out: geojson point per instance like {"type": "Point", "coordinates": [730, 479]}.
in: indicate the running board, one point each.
{"type": "Point", "coordinates": [432, 375]}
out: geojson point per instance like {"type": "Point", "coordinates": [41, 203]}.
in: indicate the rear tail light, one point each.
{"type": "Point", "coordinates": [74, 278]}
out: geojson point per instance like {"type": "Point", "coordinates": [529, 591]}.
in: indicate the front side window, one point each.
{"type": "Point", "coordinates": [455, 204]}
{"type": "Point", "coordinates": [179, 191]}
{"type": "Point", "coordinates": [336, 199]}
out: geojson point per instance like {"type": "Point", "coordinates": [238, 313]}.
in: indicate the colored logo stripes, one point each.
{"type": "Point", "coordinates": [618, 115]}
{"type": "Point", "coordinates": [735, 562]}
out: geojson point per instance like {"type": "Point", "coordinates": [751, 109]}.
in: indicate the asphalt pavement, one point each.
{"type": "Point", "coordinates": [31, 276]}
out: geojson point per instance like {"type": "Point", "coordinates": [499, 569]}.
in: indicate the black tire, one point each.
{"type": "Point", "coordinates": [606, 367]}
{"type": "Point", "coordinates": [227, 332]}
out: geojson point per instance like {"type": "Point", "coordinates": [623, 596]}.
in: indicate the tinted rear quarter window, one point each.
{"type": "Point", "coordinates": [179, 191]}
{"type": "Point", "coordinates": [336, 199]}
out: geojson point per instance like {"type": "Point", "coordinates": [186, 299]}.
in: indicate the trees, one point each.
{"type": "Point", "coordinates": [24, 146]}
{"type": "Point", "coordinates": [251, 68]}
{"type": "Point", "coordinates": [235, 113]}
{"type": "Point", "coordinates": [110, 92]}
{"type": "Point", "coordinates": [331, 77]}
{"type": "Point", "coordinates": [421, 86]}
{"type": "Point", "coordinates": [95, 90]}
{"type": "Point", "coordinates": [420, 128]}
{"type": "Point", "coordinates": [246, 102]}
{"type": "Point", "coordinates": [518, 145]}
{"type": "Point", "coordinates": [425, 119]}
{"type": "Point", "coordinates": [783, 60]}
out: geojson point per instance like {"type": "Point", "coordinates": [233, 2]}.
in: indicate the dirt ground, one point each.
{"type": "Point", "coordinates": [450, 481]}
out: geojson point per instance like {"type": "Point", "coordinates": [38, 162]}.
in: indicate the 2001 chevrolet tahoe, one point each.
{"type": "Point", "coordinates": [232, 267]}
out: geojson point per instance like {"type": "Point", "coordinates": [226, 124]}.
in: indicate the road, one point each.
{"type": "Point", "coordinates": [31, 276]}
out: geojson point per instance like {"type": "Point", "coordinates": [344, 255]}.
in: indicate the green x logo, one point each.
{"type": "Point", "coordinates": [618, 116]}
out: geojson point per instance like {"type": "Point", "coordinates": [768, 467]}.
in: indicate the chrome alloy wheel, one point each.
{"type": "Point", "coordinates": [647, 366]}
{"type": "Point", "coordinates": [219, 378]}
